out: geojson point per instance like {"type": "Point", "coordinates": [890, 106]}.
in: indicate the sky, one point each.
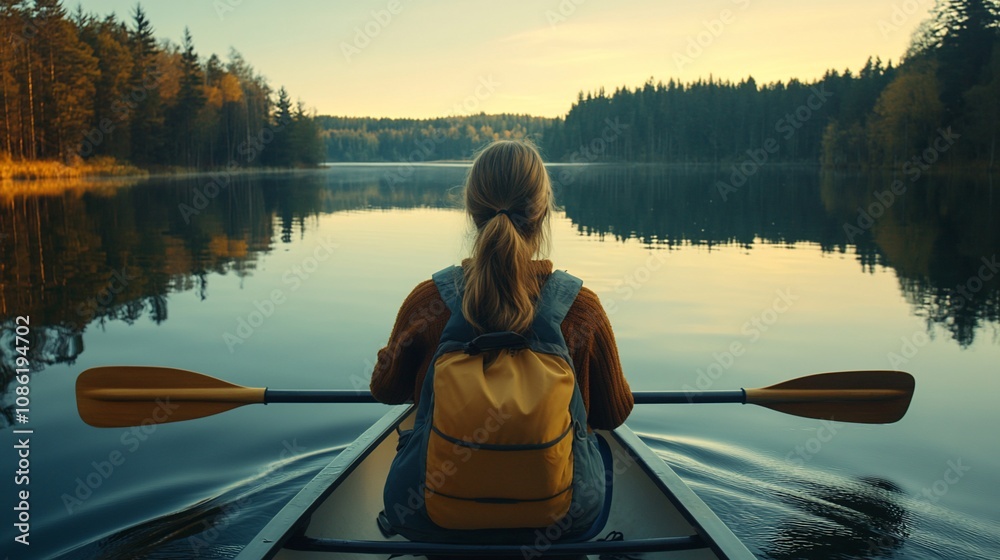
{"type": "Point", "coordinates": [432, 58]}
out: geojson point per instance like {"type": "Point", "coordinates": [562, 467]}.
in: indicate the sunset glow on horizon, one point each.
{"type": "Point", "coordinates": [406, 58]}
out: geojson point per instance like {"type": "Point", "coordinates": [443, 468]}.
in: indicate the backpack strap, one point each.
{"type": "Point", "coordinates": [450, 283]}
{"type": "Point", "coordinates": [557, 297]}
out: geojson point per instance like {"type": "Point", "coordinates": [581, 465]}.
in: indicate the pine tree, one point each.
{"type": "Point", "coordinates": [183, 123]}
{"type": "Point", "coordinates": [967, 30]}
{"type": "Point", "coordinates": [67, 74]}
{"type": "Point", "coordinates": [145, 109]}
{"type": "Point", "coordinates": [12, 19]}
{"type": "Point", "coordinates": [306, 144]}
{"type": "Point", "coordinates": [109, 40]}
{"type": "Point", "coordinates": [983, 107]}
{"type": "Point", "coordinates": [280, 152]}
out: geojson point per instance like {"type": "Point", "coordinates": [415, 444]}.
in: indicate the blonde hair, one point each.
{"type": "Point", "coordinates": [508, 197]}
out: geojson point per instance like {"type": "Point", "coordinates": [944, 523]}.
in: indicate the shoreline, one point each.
{"type": "Point", "coordinates": [40, 170]}
{"type": "Point", "coordinates": [26, 172]}
{"type": "Point", "coordinates": [47, 170]}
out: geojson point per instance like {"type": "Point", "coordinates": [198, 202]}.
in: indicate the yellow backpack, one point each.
{"type": "Point", "coordinates": [500, 447]}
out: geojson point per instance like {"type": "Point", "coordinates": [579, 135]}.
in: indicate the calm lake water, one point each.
{"type": "Point", "coordinates": [173, 273]}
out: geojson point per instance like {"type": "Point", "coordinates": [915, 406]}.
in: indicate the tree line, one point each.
{"type": "Point", "coordinates": [949, 79]}
{"type": "Point", "coordinates": [83, 86]}
{"type": "Point", "coordinates": [882, 115]}
{"type": "Point", "coordinates": [415, 140]}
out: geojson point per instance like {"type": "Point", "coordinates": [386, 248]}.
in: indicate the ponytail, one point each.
{"type": "Point", "coordinates": [509, 199]}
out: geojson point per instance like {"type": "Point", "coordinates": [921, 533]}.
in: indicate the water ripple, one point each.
{"type": "Point", "coordinates": [217, 527]}
{"type": "Point", "coordinates": [786, 512]}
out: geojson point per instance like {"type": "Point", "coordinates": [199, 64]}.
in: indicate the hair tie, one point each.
{"type": "Point", "coordinates": [505, 212]}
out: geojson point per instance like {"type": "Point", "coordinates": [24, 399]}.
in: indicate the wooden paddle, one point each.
{"type": "Point", "coordinates": [117, 396]}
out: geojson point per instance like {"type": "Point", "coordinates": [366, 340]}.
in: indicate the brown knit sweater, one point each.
{"type": "Point", "coordinates": [403, 363]}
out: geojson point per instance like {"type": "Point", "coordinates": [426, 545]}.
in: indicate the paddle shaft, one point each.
{"type": "Point", "coordinates": [287, 396]}
{"type": "Point", "coordinates": [641, 397]}
{"type": "Point", "coordinates": [742, 396]}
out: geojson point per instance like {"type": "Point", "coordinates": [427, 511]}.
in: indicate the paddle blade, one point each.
{"type": "Point", "coordinates": [119, 396]}
{"type": "Point", "coordinates": [866, 397]}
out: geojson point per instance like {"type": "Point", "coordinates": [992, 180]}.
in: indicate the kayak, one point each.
{"type": "Point", "coordinates": [653, 513]}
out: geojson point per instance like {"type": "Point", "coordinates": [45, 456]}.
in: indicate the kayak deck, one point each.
{"type": "Point", "coordinates": [653, 512]}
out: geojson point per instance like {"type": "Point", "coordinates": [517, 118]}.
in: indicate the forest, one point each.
{"type": "Point", "coordinates": [84, 87]}
{"type": "Point", "coordinates": [880, 116]}
{"type": "Point", "coordinates": [415, 140]}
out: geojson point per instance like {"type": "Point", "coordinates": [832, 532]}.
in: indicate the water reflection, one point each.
{"type": "Point", "coordinates": [75, 257]}
{"type": "Point", "coordinates": [940, 235]}
{"type": "Point", "coordinates": [679, 207]}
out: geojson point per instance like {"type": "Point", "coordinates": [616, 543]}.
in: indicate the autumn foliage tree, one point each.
{"type": "Point", "coordinates": [907, 114]}
{"type": "Point", "coordinates": [85, 86]}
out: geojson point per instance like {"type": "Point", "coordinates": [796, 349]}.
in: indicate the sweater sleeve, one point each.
{"type": "Point", "coordinates": [402, 364]}
{"type": "Point", "coordinates": [592, 346]}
